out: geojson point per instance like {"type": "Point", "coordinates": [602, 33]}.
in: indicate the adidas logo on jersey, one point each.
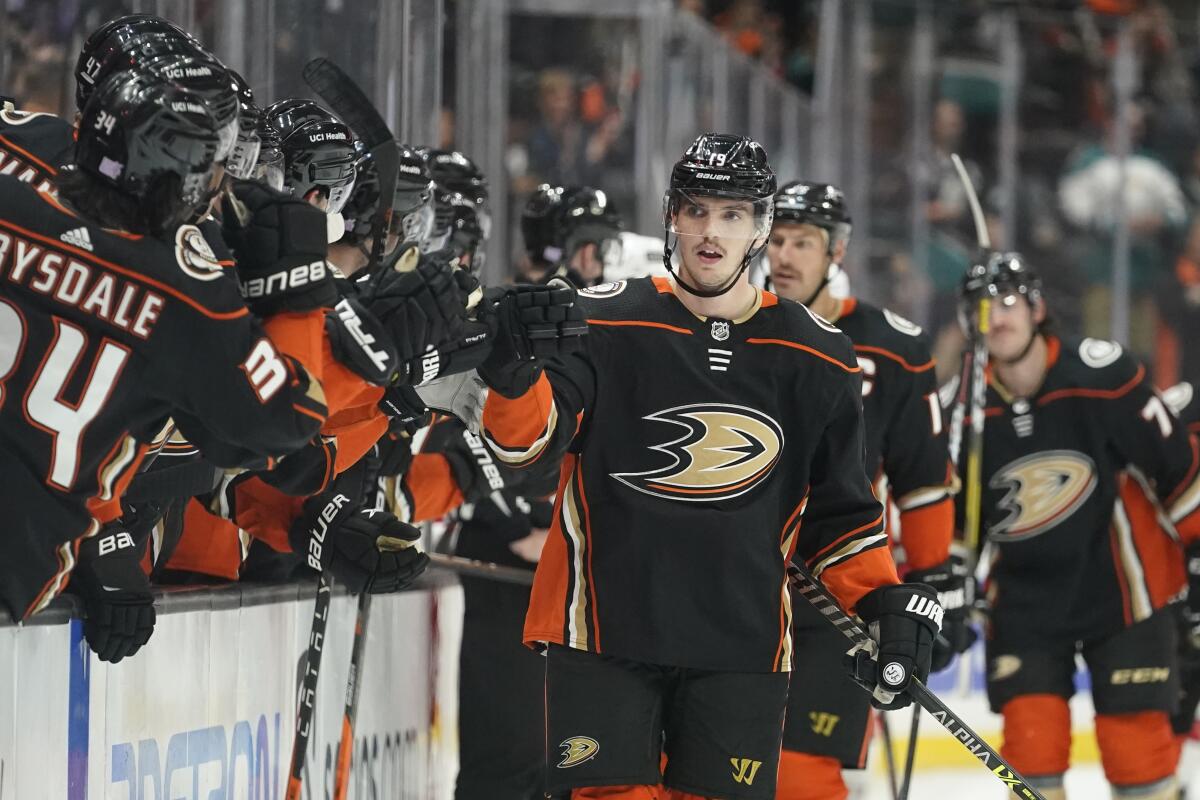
{"type": "Point", "coordinates": [78, 237]}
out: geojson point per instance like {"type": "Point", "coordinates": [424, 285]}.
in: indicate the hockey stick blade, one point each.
{"type": "Point", "coordinates": [816, 594]}
{"type": "Point", "coordinates": [482, 569]}
{"type": "Point", "coordinates": [981, 231]}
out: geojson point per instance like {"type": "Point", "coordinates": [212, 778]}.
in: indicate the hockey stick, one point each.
{"type": "Point", "coordinates": [346, 98]}
{"type": "Point", "coordinates": [482, 569]}
{"type": "Point", "coordinates": [863, 672]}
{"type": "Point", "coordinates": [911, 757]}
{"type": "Point", "coordinates": [308, 687]}
{"type": "Point", "coordinates": [341, 775]}
{"type": "Point", "coordinates": [888, 755]}
{"type": "Point", "coordinates": [976, 396]}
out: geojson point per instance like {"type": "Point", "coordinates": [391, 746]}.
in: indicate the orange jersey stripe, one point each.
{"type": "Point", "coordinates": [896, 357]}
{"type": "Point", "coordinates": [807, 349]}
{"type": "Point", "coordinates": [616, 323]}
{"type": "Point", "coordinates": [853, 578]}
{"type": "Point", "coordinates": [28, 156]}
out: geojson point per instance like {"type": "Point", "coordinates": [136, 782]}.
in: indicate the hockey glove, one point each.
{"type": "Point", "coordinates": [904, 620]}
{"type": "Point", "coordinates": [420, 310]}
{"type": "Point", "coordinates": [360, 342]}
{"type": "Point", "coordinates": [279, 243]}
{"type": "Point", "coordinates": [532, 323]}
{"type": "Point", "coordinates": [306, 471]}
{"type": "Point", "coordinates": [405, 409]}
{"type": "Point", "coordinates": [461, 395]}
{"type": "Point", "coordinates": [956, 593]}
{"type": "Point", "coordinates": [367, 551]}
{"type": "Point", "coordinates": [116, 596]}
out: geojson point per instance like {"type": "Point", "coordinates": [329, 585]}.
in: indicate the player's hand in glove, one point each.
{"type": "Point", "coordinates": [904, 620]}
{"type": "Point", "coordinates": [422, 310]}
{"type": "Point", "coordinates": [279, 242]}
{"type": "Point", "coordinates": [533, 323]}
{"type": "Point", "coordinates": [366, 551]}
{"type": "Point", "coordinates": [116, 596]}
{"type": "Point", "coordinates": [955, 589]}
{"type": "Point", "coordinates": [360, 342]}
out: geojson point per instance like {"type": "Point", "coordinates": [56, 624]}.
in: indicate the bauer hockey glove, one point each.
{"type": "Point", "coordinates": [280, 245]}
{"type": "Point", "coordinates": [955, 589]}
{"type": "Point", "coordinates": [903, 621]}
{"type": "Point", "coordinates": [365, 550]}
{"type": "Point", "coordinates": [532, 323]}
{"type": "Point", "coordinates": [116, 595]}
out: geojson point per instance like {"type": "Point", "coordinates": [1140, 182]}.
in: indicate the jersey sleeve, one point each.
{"type": "Point", "coordinates": [540, 425]}
{"type": "Point", "coordinates": [842, 540]}
{"type": "Point", "coordinates": [223, 371]}
{"type": "Point", "coordinates": [916, 460]}
{"type": "Point", "coordinates": [1152, 439]}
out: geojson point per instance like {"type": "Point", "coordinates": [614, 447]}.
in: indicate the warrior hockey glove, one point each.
{"type": "Point", "coordinates": [116, 596]}
{"type": "Point", "coordinates": [360, 342]}
{"type": "Point", "coordinates": [904, 620]}
{"type": "Point", "coordinates": [366, 551]}
{"type": "Point", "coordinates": [533, 323]}
{"type": "Point", "coordinates": [279, 243]}
{"type": "Point", "coordinates": [956, 594]}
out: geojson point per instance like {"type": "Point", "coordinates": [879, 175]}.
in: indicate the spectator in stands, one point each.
{"type": "Point", "coordinates": [1092, 199]}
{"type": "Point", "coordinates": [561, 148]}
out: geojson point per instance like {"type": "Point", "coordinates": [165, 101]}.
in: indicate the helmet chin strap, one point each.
{"type": "Point", "coordinates": [830, 273]}
{"type": "Point", "coordinates": [750, 255]}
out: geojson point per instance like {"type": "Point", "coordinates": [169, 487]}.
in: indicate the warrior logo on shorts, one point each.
{"type": "Point", "coordinates": [1042, 490]}
{"type": "Point", "coordinates": [725, 451]}
{"type": "Point", "coordinates": [577, 750]}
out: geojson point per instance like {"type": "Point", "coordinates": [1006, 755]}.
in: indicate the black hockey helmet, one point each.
{"type": "Point", "coordinates": [721, 165]}
{"type": "Point", "coordinates": [125, 43]}
{"type": "Point", "coordinates": [1004, 274]}
{"type": "Point", "coordinates": [539, 224]}
{"type": "Point", "coordinates": [244, 158]}
{"type": "Point", "coordinates": [588, 216]}
{"type": "Point", "coordinates": [819, 204]}
{"type": "Point", "coordinates": [318, 150]}
{"type": "Point", "coordinates": [412, 203]}
{"type": "Point", "coordinates": [269, 167]}
{"type": "Point", "coordinates": [462, 213]}
{"type": "Point", "coordinates": [209, 79]}
{"type": "Point", "coordinates": [151, 140]}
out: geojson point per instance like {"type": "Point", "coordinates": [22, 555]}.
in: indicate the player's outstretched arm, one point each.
{"type": "Point", "coordinates": [540, 374]}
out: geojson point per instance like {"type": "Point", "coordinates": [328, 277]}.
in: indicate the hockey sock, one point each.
{"type": "Point", "coordinates": [803, 776]}
{"type": "Point", "coordinates": [1037, 734]}
{"type": "Point", "coordinates": [1137, 749]}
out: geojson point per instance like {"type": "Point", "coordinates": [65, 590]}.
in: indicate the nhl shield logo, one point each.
{"type": "Point", "coordinates": [720, 330]}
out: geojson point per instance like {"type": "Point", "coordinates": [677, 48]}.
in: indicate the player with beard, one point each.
{"type": "Point", "coordinates": [829, 720]}
{"type": "Point", "coordinates": [1073, 565]}
{"type": "Point", "coordinates": [699, 421]}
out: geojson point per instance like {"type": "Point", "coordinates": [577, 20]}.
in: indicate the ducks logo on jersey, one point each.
{"type": "Point", "coordinates": [1043, 489]}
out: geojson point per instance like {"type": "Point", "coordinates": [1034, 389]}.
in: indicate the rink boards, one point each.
{"type": "Point", "coordinates": [207, 710]}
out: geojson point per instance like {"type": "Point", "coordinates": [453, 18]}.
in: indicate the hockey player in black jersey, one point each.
{"type": "Point", "coordinates": [571, 232]}
{"type": "Point", "coordinates": [108, 291]}
{"type": "Point", "coordinates": [829, 719]}
{"type": "Point", "coordinates": [701, 420]}
{"type": "Point", "coordinates": [1074, 566]}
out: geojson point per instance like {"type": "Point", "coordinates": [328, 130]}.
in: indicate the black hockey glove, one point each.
{"type": "Point", "coordinates": [420, 310]}
{"type": "Point", "coordinates": [279, 242]}
{"type": "Point", "coordinates": [956, 593]}
{"type": "Point", "coordinates": [367, 551]}
{"type": "Point", "coordinates": [306, 471]}
{"type": "Point", "coordinates": [361, 343]}
{"type": "Point", "coordinates": [904, 620]}
{"type": "Point", "coordinates": [532, 323]}
{"type": "Point", "coordinates": [474, 470]}
{"type": "Point", "coordinates": [116, 596]}
{"type": "Point", "coordinates": [405, 409]}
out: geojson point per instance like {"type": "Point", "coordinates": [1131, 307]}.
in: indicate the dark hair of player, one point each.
{"type": "Point", "coordinates": [145, 159]}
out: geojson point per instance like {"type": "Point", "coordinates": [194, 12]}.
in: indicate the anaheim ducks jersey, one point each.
{"type": "Point", "coordinates": [1075, 552]}
{"type": "Point", "coordinates": [33, 146]}
{"type": "Point", "coordinates": [1182, 400]}
{"type": "Point", "coordinates": [907, 451]}
{"type": "Point", "coordinates": [694, 449]}
{"type": "Point", "coordinates": [105, 336]}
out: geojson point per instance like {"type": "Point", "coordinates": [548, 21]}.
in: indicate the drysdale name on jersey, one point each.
{"type": "Point", "coordinates": [125, 304]}
{"type": "Point", "coordinates": [285, 279]}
